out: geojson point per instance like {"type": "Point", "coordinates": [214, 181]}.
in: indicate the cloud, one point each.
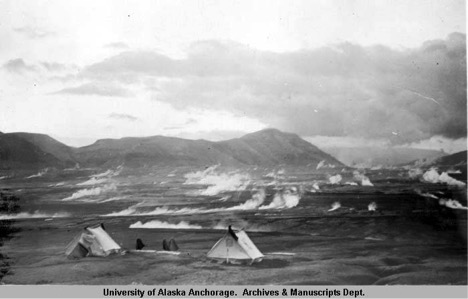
{"type": "Point", "coordinates": [127, 65]}
{"type": "Point", "coordinates": [206, 59]}
{"type": "Point", "coordinates": [345, 89]}
{"type": "Point", "coordinates": [57, 67]}
{"type": "Point", "coordinates": [187, 123]}
{"type": "Point", "coordinates": [347, 142]}
{"type": "Point", "coordinates": [18, 66]}
{"type": "Point", "coordinates": [95, 89]}
{"type": "Point", "coordinates": [440, 143]}
{"type": "Point", "coordinates": [34, 33]}
{"type": "Point", "coordinates": [123, 116]}
{"type": "Point", "coordinates": [117, 45]}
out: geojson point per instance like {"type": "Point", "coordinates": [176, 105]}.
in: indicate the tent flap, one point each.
{"type": "Point", "coordinates": [104, 240]}
{"type": "Point", "coordinates": [245, 242]}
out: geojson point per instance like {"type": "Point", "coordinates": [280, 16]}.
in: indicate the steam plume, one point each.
{"type": "Point", "coordinates": [335, 206]}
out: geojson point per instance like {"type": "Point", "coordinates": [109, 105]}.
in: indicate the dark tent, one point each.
{"type": "Point", "coordinates": [139, 244]}
{"type": "Point", "coordinates": [171, 246]}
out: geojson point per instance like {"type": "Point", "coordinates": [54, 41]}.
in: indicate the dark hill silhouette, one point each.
{"type": "Point", "coordinates": [452, 162]}
{"type": "Point", "coordinates": [19, 153]}
{"type": "Point", "coordinates": [265, 148]}
{"type": "Point", "coordinates": [156, 150]}
{"type": "Point", "coordinates": [455, 164]}
{"type": "Point", "coordinates": [49, 145]}
{"type": "Point", "coordinates": [272, 147]}
{"type": "Point", "coordinates": [457, 159]}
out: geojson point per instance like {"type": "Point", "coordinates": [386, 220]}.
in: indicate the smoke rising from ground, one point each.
{"type": "Point", "coordinates": [335, 180]}
{"type": "Point", "coordinates": [428, 195]}
{"type": "Point", "coordinates": [415, 173]}
{"type": "Point", "coordinates": [156, 224]}
{"type": "Point", "coordinates": [163, 224]}
{"type": "Point", "coordinates": [218, 182]}
{"type": "Point", "coordinates": [93, 181]}
{"type": "Point", "coordinates": [101, 178]}
{"type": "Point", "coordinates": [335, 206]}
{"type": "Point", "coordinates": [36, 214]}
{"type": "Point", "coordinates": [316, 186]}
{"type": "Point", "coordinates": [432, 176]}
{"type": "Point", "coordinates": [372, 206]}
{"type": "Point", "coordinates": [283, 200]}
{"type": "Point", "coordinates": [39, 174]}
{"type": "Point", "coordinates": [253, 203]}
{"type": "Point", "coordinates": [364, 180]}
{"type": "Point", "coordinates": [91, 192]}
{"type": "Point", "coordinates": [451, 203]}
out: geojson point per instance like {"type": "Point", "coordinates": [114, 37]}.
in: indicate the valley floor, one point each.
{"type": "Point", "coordinates": [37, 255]}
{"type": "Point", "coordinates": [330, 227]}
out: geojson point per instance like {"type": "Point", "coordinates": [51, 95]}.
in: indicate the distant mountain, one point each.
{"type": "Point", "coordinates": [454, 164]}
{"type": "Point", "coordinates": [273, 147]}
{"type": "Point", "coordinates": [268, 147]}
{"type": "Point", "coordinates": [156, 150]}
{"type": "Point", "coordinates": [32, 151]}
{"type": "Point", "coordinates": [374, 156]}
{"type": "Point", "coordinates": [49, 145]}
{"type": "Point", "coordinates": [453, 160]}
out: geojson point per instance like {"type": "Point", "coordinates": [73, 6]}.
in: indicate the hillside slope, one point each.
{"type": "Point", "coordinates": [18, 153]}
{"type": "Point", "coordinates": [147, 151]}
{"type": "Point", "coordinates": [268, 147]}
{"type": "Point", "coordinates": [272, 147]}
{"type": "Point", "coordinates": [49, 145]}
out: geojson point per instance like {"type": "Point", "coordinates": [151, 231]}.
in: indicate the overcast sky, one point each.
{"type": "Point", "coordinates": [336, 72]}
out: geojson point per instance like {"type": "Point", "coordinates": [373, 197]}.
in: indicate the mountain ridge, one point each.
{"type": "Point", "coordinates": [267, 147]}
{"type": "Point", "coordinates": [455, 164]}
{"type": "Point", "coordinates": [18, 153]}
{"type": "Point", "coordinates": [289, 149]}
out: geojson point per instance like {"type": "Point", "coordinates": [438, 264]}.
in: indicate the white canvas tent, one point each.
{"type": "Point", "coordinates": [94, 241]}
{"type": "Point", "coordinates": [235, 247]}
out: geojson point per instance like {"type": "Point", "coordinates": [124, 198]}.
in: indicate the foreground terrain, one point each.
{"type": "Point", "coordinates": [311, 229]}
